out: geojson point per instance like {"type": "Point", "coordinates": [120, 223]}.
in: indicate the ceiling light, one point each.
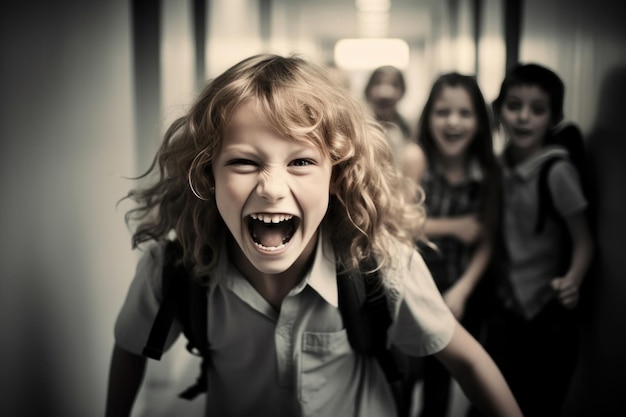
{"type": "Point", "coordinates": [370, 53]}
{"type": "Point", "coordinates": [373, 5]}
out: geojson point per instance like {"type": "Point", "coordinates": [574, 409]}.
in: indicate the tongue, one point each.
{"type": "Point", "coordinates": [270, 235]}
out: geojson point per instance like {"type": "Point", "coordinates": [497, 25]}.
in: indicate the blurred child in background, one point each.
{"type": "Point", "coordinates": [383, 91]}
{"type": "Point", "coordinates": [546, 239]}
{"type": "Point", "coordinates": [461, 179]}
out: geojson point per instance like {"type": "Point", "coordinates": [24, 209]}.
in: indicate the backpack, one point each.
{"type": "Point", "coordinates": [570, 137]}
{"type": "Point", "coordinates": [362, 304]}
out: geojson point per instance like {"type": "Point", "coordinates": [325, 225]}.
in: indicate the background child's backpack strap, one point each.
{"type": "Point", "coordinates": [569, 136]}
{"type": "Point", "coordinates": [546, 204]}
{"type": "Point", "coordinates": [366, 316]}
{"type": "Point", "coordinates": [183, 299]}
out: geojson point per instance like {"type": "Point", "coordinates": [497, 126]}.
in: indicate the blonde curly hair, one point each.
{"type": "Point", "coordinates": [372, 206]}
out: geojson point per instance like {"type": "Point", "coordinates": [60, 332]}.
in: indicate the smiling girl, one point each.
{"type": "Point", "coordinates": [274, 180]}
{"type": "Point", "coordinates": [460, 178]}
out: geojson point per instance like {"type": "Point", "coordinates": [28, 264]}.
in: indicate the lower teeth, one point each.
{"type": "Point", "coordinates": [270, 248]}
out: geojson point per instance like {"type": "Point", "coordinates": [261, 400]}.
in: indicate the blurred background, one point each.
{"type": "Point", "coordinates": [88, 87]}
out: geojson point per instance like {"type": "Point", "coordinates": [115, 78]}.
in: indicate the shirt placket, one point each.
{"type": "Point", "coordinates": [284, 338]}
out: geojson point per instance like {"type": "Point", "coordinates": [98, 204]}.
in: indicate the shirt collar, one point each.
{"type": "Point", "coordinates": [321, 277]}
{"type": "Point", "coordinates": [531, 165]}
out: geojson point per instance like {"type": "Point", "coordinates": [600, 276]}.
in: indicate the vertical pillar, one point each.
{"type": "Point", "coordinates": [199, 35]}
{"type": "Point", "coordinates": [512, 30]}
{"type": "Point", "coordinates": [491, 48]}
{"type": "Point", "coordinates": [147, 76]}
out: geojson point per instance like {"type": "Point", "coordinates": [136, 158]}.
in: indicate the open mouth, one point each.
{"type": "Point", "coordinates": [452, 137]}
{"type": "Point", "coordinates": [271, 232]}
{"type": "Point", "coordinates": [522, 132]}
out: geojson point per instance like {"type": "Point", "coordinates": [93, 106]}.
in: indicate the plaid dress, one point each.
{"type": "Point", "coordinates": [449, 260]}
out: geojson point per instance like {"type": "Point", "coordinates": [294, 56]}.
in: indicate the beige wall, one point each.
{"type": "Point", "coordinates": [66, 140]}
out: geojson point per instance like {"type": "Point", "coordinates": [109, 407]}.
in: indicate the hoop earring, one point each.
{"type": "Point", "coordinates": [193, 190]}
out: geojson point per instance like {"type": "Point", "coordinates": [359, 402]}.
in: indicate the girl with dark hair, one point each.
{"type": "Point", "coordinates": [461, 181]}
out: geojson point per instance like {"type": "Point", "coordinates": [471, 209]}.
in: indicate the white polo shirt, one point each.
{"type": "Point", "coordinates": [296, 361]}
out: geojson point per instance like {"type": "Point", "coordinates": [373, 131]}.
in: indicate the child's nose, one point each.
{"type": "Point", "coordinates": [524, 113]}
{"type": "Point", "coordinates": [452, 119]}
{"type": "Point", "coordinates": [272, 185]}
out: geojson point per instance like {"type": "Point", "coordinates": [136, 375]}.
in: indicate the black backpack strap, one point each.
{"type": "Point", "coordinates": [364, 309]}
{"type": "Point", "coordinates": [352, 295]}
{"type": "Point", "coordinates": [571, 138]}
{"type": "Point", "coordinates": [194, 318]}
{"type": "Point", "coordinates": [185, 300]}
{"type": "Point", "coordinates": [546, 203]}
{"type": "Point", "coordinates": [172, 289]}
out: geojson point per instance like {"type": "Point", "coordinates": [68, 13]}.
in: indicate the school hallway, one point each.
{"type": "Point", "coordinates": [88, 86]}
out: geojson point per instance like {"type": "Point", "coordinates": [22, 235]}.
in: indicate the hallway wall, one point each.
{"type": "Point", "coordinates": [579, 39]}
{"type": "Point", "coordinates": [66, 141]}
{"type": "Point", "coordinates": [585, 42]}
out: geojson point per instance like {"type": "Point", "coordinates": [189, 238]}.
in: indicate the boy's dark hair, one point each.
{"type": "Point", "coordinates": [534, 74]}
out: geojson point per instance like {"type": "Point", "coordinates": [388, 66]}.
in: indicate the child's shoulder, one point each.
{"type": "Point", "coordinates": [406, 263]}
{"type": "Point", "coordinates": [413, 297]}
{"type": "Point", "coordinates": [536, 164]}
{"type": "Point", "coordinates": [152, 252]}
{"type": "Point", "coordinates": [150, 264]}
{"type": "Point", "coordinates": [562, 178]}
{"type": "Point", "coordinates": [555, 162]}
{"type": "Point", "coordinates": [401, 254]}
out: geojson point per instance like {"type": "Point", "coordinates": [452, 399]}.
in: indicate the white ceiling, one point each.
{"type": "Point", "coordinates": [330, 20]}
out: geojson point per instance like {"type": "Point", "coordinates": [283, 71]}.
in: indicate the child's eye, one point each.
{"type": "Point", "coordinates": [539, 110]}
{"type": "Point", "coordinates": [466, 113]}
{"type": "Point", "coordinates": [302, 162]}
{"type": "Point", "coordinates": [241, 161]}
{"type": "Point", "coordinates": [441, 112]}
{"type": "Point", "coordinates": [513, 105]}
{"type": "Point", "coordinates": [242, 165]}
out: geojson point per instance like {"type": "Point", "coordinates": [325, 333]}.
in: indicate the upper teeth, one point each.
{"type": "Point", "coordinates": [271, 218]}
